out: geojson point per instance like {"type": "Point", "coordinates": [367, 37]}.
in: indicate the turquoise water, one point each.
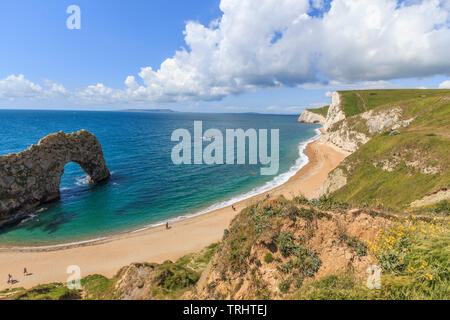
{"type": "Point", "coordinates": [145, 188]}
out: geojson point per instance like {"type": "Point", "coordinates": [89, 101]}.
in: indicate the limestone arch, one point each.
{"type": "Point", "coordinates": [33, 176]}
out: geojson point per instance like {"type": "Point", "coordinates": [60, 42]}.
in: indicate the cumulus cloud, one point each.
{"type": "Point", "coordinates": [17, 86]}
{"type": "Point", "coordinates": [13, 87]}
{"type": "Point", "coordinates": [328, 94]}
{"type": "Point", "coordinates": [445, 85]}
{"type": "Point", "coordinates": [280, 43]}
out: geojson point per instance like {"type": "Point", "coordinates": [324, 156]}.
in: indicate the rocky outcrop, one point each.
{"type": "Point", "coordinates": [379, 120]}
{"type": "Point", "coordinates": [351, 133]}
{"type": "Point", "coordinates": [435, 197]}
{"type": "Point", "coordinates": [32, 177]}
{"type": "Point", "coordinates": [335, 112]}
{"type": "Point", "coordinates": [135, 281]}
{"type": "Point", "coordinates": [311, 117]}
{"type": "Point", "coordinates": [335, 180]}
{"type": "Point", "coordinates": [345, 138]}
{"type": "Point", "coordinates": [422, 162]}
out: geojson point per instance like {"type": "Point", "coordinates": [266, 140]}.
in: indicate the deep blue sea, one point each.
{"type": "Point", "coordinates": [145, 188]}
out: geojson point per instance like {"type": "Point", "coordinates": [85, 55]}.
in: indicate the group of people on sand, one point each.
{"type": "Point", "coordinates": [10, 277]}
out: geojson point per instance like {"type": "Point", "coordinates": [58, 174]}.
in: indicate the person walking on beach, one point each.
{"type": "Point", "coordinates": [232, 207]}
{"type": "Point", "coordinates": [167, 226]}
{"type": "Point", "coordinates": [25, 272]}
{"type": "Point", "coordinates": [10, 279]}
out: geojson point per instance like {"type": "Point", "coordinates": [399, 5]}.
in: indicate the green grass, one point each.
{"type": "Point", "coordinates": [321, 111]}
{"type": "Point", "coordinates": [426, 140]}
{"type": "Point", "coordinates": [97, 287]}
{"type": "Point", "coordinates": [333, 287]}
{"type": "Point", "coordinates": [441, 208]}
{"type": "Point", "coordinates": [172, 279]}
{"type": "Point", "coordinates": [355, 102]}
{"type": "Point", "coordinates": [52, 291]}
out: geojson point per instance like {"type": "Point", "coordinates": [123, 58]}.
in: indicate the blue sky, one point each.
{"type": "Point", "coordinates": [242, 72]}
{"type": "Point", "coordinates": [116, 38]}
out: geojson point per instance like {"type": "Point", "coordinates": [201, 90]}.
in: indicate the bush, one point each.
{"type": "Point", "coordinates": [442, 207]}
{"type": "Point", "coordinates": [284, 286]}
{"type": "Point", "coordinates": [173, 277]}
{"type": "Point", "coordinates": [329, 203]}
{"type": "Point", "coordinates": [285, 243]}
{"type": "Point", "coordinates": [291, 212]}
{"type": "Point", "coordinates": [300, 200]}
{"type": "Point", "coordinates": [268, 258]}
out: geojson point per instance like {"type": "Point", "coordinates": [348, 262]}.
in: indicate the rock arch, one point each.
{"type": "Point", "coordinates": [32, 177]}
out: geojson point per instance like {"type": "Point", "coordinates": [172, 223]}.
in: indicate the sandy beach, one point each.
{"type": "Point", "coordinates": [156, 244]}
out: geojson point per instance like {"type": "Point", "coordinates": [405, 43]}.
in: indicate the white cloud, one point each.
{"type": "Point", "coordinates": [353, 42]}
{"type": "Point", "coordinates": [318, 4]}
{"type": "Point", "coordinates": [13, 87]}
{"type": "Point", "coordinates": [328, 94]}
{"type": "Point", "coordinates": [17, 86]}
{"type": "Point", "coordinates": [445, 85]}
{"type": "Point", "coordinates": [54, 89]}
{"type": "Point", "coordinates": [356, 43]}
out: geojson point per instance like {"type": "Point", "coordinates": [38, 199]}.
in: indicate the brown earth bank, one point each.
{"type": "Point", "coordinates": [297, 244]}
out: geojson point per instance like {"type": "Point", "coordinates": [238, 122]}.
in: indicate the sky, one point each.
{"type": "Point", "coordinates": [268, 56]}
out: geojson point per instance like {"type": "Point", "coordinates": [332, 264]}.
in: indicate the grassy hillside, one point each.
{"type": "Point", "coordinates": [321, 111]}
{"type": "Point", "coordinates": [396, 168]}
{"type": "Point", "coordinates": [281, 249]}
{"type": "Point", "coordinates": [355, 102]}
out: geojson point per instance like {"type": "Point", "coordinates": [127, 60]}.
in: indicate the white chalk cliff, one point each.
{"type": "Point", "coordinates": [349, 133]}
{"type": "Point", "coordinates": [311, 117]}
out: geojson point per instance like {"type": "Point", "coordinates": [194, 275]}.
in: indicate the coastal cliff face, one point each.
{"type": "Point", "coordinates": [349, 134]}
{"type": "Point", "coordinates": [32, 177]}
{"type": "Point", "coordinates": [335, 112]}
{"type": "Point", "coordinates": [397, 139]}
{"type": "Point", "coordinates": [311, 117]}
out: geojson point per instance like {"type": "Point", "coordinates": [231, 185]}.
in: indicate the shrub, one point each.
{"type": "Point", "coordinates": [300, 200]}
{"type": "Point", "coordinates": [172, 277]}
{"type": "Point", "coordinates": [291, 212]}
{"type": "Point", "coordinates": [329, 203]}
{"type": "Point", "coordinates": [268, 258]}
{"type": "Point", "coordinates": [284, 286]}
{"type": "Point", "coordinates": [285, 243]}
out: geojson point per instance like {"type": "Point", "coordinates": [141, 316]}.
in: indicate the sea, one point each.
{"type": "Point", "coordinates": [146, 188]}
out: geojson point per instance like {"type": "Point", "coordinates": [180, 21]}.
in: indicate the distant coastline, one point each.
{"type": "Point", "coordinates": [150, 110]}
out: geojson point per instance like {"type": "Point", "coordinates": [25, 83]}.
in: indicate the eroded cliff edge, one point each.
{"type": "Point", "coordinates": [32, 177]}
{"type": "Point", "coordinates": [395, 139]}
{"type": "Point", "coordinates": [311, 117]}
